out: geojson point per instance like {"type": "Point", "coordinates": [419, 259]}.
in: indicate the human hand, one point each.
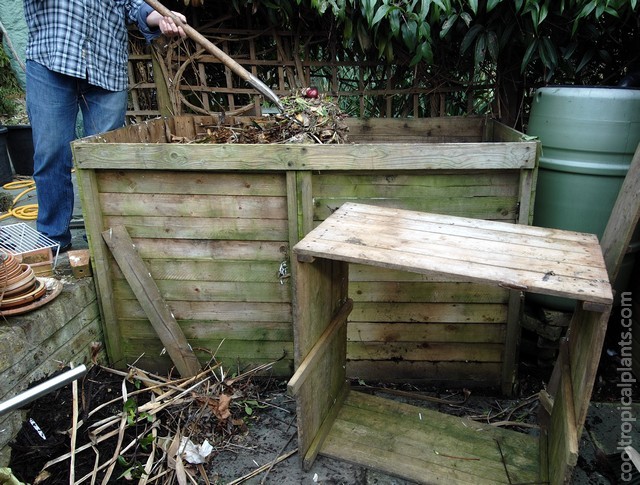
{"type": "Point", "coordinates": [167, 25]}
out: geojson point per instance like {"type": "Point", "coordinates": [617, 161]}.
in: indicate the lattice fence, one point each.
{"type": "Point", "coordinates": [180, 77]}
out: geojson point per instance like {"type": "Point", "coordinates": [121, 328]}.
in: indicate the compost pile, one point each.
{"type": "Point", "coordinates": [134, 425]}
{"type": "Point", "coordinates": [311, 119]}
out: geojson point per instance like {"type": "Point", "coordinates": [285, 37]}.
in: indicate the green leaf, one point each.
{"type": "Point", "coordinates": [491, 4]}
{"type": "Point", "coordinates": [427, 52]}
{"type": "Point", "coordinates": [446, 26]}
{"type": "Point", "coordinates": [585, 60]}
{"type": "Point", "coordinates": [473, 4]}
{"type": "Point", "coordinates": [380, 14]}
{"type": "Point", "coordinates": [466, 17]}
{"type": "Point", "coordinates": [394, 21]}
{"type": "Point", "coordinates": [480, 50]}
{"type": "Point", "coordinates": [492, 45]}
{"type": "Point", "coordinates": [528, 55]}
{"type": "Point", "coordinates": [547, 52]}
{"type": "Point", "coordinates": [363, 36]}
{"type": "Point", "coordinates": [470, 37]}
{"type": "Point", "coordinates": [409, 31]}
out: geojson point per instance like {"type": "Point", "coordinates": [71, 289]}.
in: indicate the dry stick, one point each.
{"type": "Point", "coordinates": [74, 430]}
{"type": "Point", "coordinates": [266, 473]}
{"type": "Point", "coordinates": [114, 459]}
{"type": "Point", "coordinates": [258, 471]}
{"type": "Point", "coordinates": [66, 456]}
{"type": "Point", "coordinates": [149, 465]}
{"type": "Point", "coordinates": [96, 464]}
{"type": "Point", "coordinates": [95, 470]}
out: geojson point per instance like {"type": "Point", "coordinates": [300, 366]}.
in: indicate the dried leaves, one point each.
{"type": "Point", "coordinates": [304, 120]}
{"type": "Point", "coordinates": [162, 429]}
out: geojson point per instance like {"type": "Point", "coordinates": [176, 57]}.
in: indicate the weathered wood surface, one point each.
{"type": "Point", "coordinates": [214, 239]}
{"type": "Point", "coordinates": [391, 156]}
{"type": "Point", "coordinates": [148, 295]}
{"type": "Point", "coordinates": [426, 446]}
{"type": "Point", "coordinates": [520, 257]}
{"type": "Point", "coordinates": [320, 293]}
{"type": "Point", "coordinates": [624, 219]}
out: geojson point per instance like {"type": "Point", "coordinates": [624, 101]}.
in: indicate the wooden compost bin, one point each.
{"type": "Point", "coordinates": [214, 224]}
{"type": "Point", "coordinates": [420, 444]}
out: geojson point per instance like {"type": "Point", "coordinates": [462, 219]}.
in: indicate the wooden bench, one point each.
{"type": "Point", "coordinates": [419, 444]}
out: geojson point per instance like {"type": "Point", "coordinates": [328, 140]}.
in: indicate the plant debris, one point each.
{"type": "Point", "coordinates": [312, 120]}
{"type": "Point", "coordinates": [149, 428]}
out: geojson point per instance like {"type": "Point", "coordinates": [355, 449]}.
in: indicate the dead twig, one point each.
{"type": "Point", "coordinates": [259, 470]}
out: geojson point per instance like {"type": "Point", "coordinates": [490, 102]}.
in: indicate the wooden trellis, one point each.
{"type": "Point", "coordinates": [180, 78]}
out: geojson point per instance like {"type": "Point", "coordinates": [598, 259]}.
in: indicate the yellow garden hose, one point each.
{"type": "Point", "coordinates": [27, 212]}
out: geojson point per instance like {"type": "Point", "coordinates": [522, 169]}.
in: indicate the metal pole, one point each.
{"type": "Point", "coordinates": [42, 389]}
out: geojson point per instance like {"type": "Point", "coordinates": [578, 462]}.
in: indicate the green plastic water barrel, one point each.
{"type": "Point", "coordinates": [588, 136]}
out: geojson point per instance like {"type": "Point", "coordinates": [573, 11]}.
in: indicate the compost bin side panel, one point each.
{"type": "Point", "coordinates": [213, 243]}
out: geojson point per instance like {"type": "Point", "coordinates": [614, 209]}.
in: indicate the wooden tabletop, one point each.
{"type": "Point", "coordinates": [528, 258]}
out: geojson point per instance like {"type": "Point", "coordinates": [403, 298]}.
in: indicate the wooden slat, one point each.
{"type": "Point", "coordinates": [88, 184]}
{"type": "Point", "coordinates": [465, 374]}
{"type": "Point", "coordinates": [429, 312]}
{"type": "Point", "coordinates": [192, 183]}
{"type": "Point", "coordinates": [201, 227]}
{"type": "Point", "coordinates": [311, 360]}
{"type": "Point", "coordinates": [274, 157]}
{"type": "Point", "coordinates": [320, 290]}
{"type": "Point", "coordinates": [624, 219]}
{"type": "Point", "coordinates": [426, 332]}
{"type": "Point", "coordinates": [412, 351]}
{"type": "Point", "coordinates": [563, 433]}
{"type": "Point", "coordinates": [429, 447]}
{"type": "Point", "coordinates": [407, 240]}
{"type": "Point", "coordinates": [169, 332]}
{"type": "Point", "coordinates": [510, 354]}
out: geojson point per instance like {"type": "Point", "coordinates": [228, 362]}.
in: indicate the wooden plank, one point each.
{"type": "Point", "coordinates": [447, 184]}
{"type": "Point", "coordinates": [212, 291]}
{"type": "Point", "coordinates": [429, 312]}
{"type": "Point", "coordinates": [217, 312]}
{"type": "Point", "coordinates": [423, 292]}
{"type": "Point", "coordinates": [209, 270]}
{"type": "Point", "coordinates": [317, 298]}
{"type": "Point", "coordinates": [187, 183]}
{"type": "Point", "coordinates": [205, 249]}
{"type": "Point", "coordinates": [133, 328]}
{"type": "Point", "coordinates": [623, 220]}
{"type": "Point", "coordinates": [193, 205]}
{"type": "Point", "coordinates": [311, 360]}
{"type": "Point", "coordinates": [511, 342]}
{"type": "Point", "coordinates": [563, 433]}
{"type": "Point", "coordinates": [457, 129]}
{"type": "Point", "coordinates": [429, 447]}
{"type": "Point", "coordinates": [465, 374]}
{"type": "Point", "coordinates": [414, 351]}
{"type": "Point", "coordinates": [201, 227]}
{"type": "Point", "coordinates": [426, 332]}
{"type": "Point", "coordinates": [274, 157]}
{"type": "Point", "coordinates": [405, 240]}
{"type": "Point", "coordinates": [92, 214]}
{"type": "Point", "coordinates": [169, 332]}
{"type": "Point", "coordinates": [489, 208]}
{"type": "Point", "coordinates": [586, 335]}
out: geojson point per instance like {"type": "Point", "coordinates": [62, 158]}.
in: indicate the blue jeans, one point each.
{"type": "Point", "coordinates": [53, 101]}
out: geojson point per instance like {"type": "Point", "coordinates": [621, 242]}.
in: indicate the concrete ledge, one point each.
{"type": "Point", "coordinates": [35, 345]}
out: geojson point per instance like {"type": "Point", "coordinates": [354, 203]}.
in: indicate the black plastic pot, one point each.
{"type": "Point", "coordinates": [6, 173]}
{"type": "Point", "coordinates": [20, 146]}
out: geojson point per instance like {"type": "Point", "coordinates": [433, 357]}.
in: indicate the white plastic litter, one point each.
{"type": "Point", "coordinates": [195, 454]}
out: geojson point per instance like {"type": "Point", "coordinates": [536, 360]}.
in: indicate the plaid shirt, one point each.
{"type": "Point", "coordinates": [86, 39]}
